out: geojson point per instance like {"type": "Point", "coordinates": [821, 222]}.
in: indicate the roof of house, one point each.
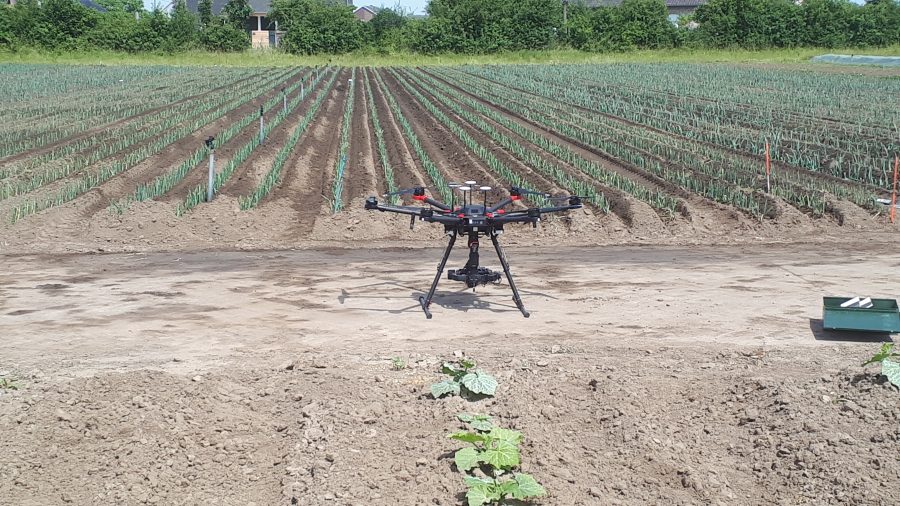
{"type": "Point", "coordinates": [92, 5]}
{"type": "Point", "coordinates": [370, 8]}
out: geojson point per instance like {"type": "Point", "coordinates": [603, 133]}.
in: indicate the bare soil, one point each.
{"type": "Point", "coordinates": [644, 375]}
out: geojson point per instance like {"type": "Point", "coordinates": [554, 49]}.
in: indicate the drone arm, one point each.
{"type": "Point", "coordinates": [500, 205]}
{"type": "Point", "coordinates": [533, 214]}
{"type": "Point", "coordinates": [435, 203]}
{"type": "Point", "coordinates": [373, 205]}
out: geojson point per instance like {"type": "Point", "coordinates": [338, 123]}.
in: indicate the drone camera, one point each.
{"type": "Point", "coordinates": [371, 203]}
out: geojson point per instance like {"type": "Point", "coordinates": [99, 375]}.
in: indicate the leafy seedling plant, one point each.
{"type": "Point", "coordinates": [496, 453]}
{"type": "Point", "coordinates": [464, 380]}
{"type": "Point", "coordinates": [398, 364]}
{"type": "Point", "coordinates": [8, 384]}
{"type": "Point", "coordinates": [889, 366]}
{"type": "Point", "coordinates": [481, 423]}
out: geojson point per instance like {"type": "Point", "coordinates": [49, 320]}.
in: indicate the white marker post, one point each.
{"type": "Point", "coordinates": [261, 125]}
{"type": "Point", "coordinates": [210, 188]}
{"type": "Point", "coordinates": [284, 100]}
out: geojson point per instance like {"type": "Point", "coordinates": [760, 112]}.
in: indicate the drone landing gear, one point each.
{"type": "Point", "coordinates": [472, 274]}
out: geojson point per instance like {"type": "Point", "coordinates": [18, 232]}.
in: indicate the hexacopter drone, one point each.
{"type": "Point", "coordinates": [473, 220]}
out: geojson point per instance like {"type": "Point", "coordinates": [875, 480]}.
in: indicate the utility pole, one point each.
{"type": "Point", "coordinates": [566, 17]}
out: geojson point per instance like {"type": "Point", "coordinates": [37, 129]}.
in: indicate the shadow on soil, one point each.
{"type": "Point", "coordinates": [460, 300]}
{"type": "Point", "coordinates": [821, 334]}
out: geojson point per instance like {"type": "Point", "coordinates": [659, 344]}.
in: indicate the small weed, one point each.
{"type": "Point", "coordinates": [464, 380]}
{"type": "Point", "coordinates": [8, 384]}
{"type": "Point", "coordinates": [398, 364]}
{"type": "Point", "coordinates": [889, 368]}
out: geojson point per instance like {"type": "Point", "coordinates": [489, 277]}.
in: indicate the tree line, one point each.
{"type": "Point", "coordinates": [458, 26]}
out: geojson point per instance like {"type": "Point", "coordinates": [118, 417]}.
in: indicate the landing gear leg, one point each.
{"type": "Point", "coordinates": [512, 284]}
{"type": "Point", "coordinates": [426, 301]}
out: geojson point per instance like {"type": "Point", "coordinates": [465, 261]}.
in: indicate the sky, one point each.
{"type": "Point", "coordinates": [416, 6]}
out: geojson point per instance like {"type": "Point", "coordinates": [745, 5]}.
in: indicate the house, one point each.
{"type": "Point", "coordinates": [675, 7]}
{"type": "Point", "coordinates": [366, 13]}
{"type": "Point", "coordinates": [263, 30]}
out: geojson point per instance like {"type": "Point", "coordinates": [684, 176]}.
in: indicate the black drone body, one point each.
{"type": "Point", "coordinates": [473, 220]}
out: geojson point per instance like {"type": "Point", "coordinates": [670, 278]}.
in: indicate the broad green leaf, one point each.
{"type": "Point", "coordinates": [482, 425]}
{"type": "Point", "coordinates": [891, 369]}
{"type": "Point", "coordinates": [479, 383]}
{"type": "Point", "coordinates": [466, 363]}
{"type": "Point", "coordinates": [508, 435]}
{"type": "Point", "coordinates": [528, 487]}
{"type": "Point", "coordinates": [448, 368]}
{"type": "Point", "coordinates": [475, 482]}
{"type": "Point", "coordinates": [508, 488]}
{"type": "Point", "coordinates": [501, 455]}
{"type": "Point", "coordinates": [466, 459]}
{"type": "Point", "coordinates": [468, 437]}
{"type": "Point", "coordinates": [465, 417]}
{"type": "Point", "coordinates": [883, 353]}
{"type": "Point", "coordinates": [477, 497]}
{"type": "Point", "coordinates": [443, 388]}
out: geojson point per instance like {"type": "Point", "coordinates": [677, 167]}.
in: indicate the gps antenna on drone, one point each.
{"type": "Point", "coordinates": [473, 220]}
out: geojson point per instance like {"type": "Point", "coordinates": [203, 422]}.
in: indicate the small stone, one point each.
{"type": "Point", "coordinates": [826, 398]}
{"type": "Point", "coordinates": [458, 354]}
{"type": "Point", "coordinates": [542, 363]}
{"type": "Point", "coordinates": [197, 378]}
{"type": "Point", "coordinates": [63, 416]}
{"type": "Point", "coordinates": [595, 492]}
{"type": "Point", "coordinates": [556, 349]}
{"type": "Point", "coordinates": [287, 366]}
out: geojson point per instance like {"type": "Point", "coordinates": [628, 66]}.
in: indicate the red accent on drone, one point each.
{"type": "Point", "coordinates": [501, 211]}
{"type": "Point", "coordinates": [460, 215]}
{"type": "Point", "coordinates": [515, 197]}
{"type": "Point", "coordinates": [419, 197]}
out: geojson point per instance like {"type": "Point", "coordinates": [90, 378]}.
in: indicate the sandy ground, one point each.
{"type": "Point", "coordinates": [645, 375]}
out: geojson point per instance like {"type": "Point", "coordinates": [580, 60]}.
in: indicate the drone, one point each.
{"type": "Point", "coordinates": [474, 220]}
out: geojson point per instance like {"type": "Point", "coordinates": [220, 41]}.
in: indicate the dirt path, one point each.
{"type": "Point", "coordinates": [645, 375]}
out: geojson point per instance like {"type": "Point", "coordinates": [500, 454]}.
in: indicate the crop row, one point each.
{"type": "Point", "coordinates": [273, 177]}
{"type": "Point", "coordinates": [94, 179]}
{"type": "Point", "coordinates": [493, 163]}
{"type": "Point", "coordinates": [528, 156]}
{"type": "Point", "coordinates": [383, 158]}
{"type": "Point", "coordinates": [708, 181]}
{"type": "Point", "coordinates": [106, 144]}
{"type": "Point", "coordinates": [811, 144]}
{"type": "Point", "coordinates": [198, 194]}
{"type": "Point", "coordinates": [437, 179]}
{"type": "Point", "coordinates": [337, 189]}
{"type": "Point", "coordinates": [42, 121]}
{"type": "Point", "coordinates": [798, 187]}
{"type": "Point", "coordinates": [655, 198]}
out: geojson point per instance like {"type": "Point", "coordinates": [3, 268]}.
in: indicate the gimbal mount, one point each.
{"type": "Point", "coordinates": [473, 221]}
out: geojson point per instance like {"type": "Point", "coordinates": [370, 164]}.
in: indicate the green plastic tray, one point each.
{"type": "Point", "coordinates": [883, 316]}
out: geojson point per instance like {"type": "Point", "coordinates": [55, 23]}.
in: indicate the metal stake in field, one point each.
{"type": "Point", "coordinates": [261, 125]}
{"type": "Point", "coordinates": [768, 170]}
{"type": "Point", "coordinates": [210, 187]}
{"type": "Point", "coordinates": [302, 91]}
{"type": "Point", "coordinates": [894, 191]}
{"type": "Point", "coordinates": [284, 100]}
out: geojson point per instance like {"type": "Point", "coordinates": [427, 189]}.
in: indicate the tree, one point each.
{"type": "Point", "coordinates": [121, 5]}
{"type": "Point", "coordinates": [224, 37]}
{"type": "Point", "coordinates": [236, 12]}
{"type": "Point", "coordinates": [314, 26]}
{"type": "Point", "coordinates": [182, 27]}
{"type": "Point", "coordinates": [204, 10]}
